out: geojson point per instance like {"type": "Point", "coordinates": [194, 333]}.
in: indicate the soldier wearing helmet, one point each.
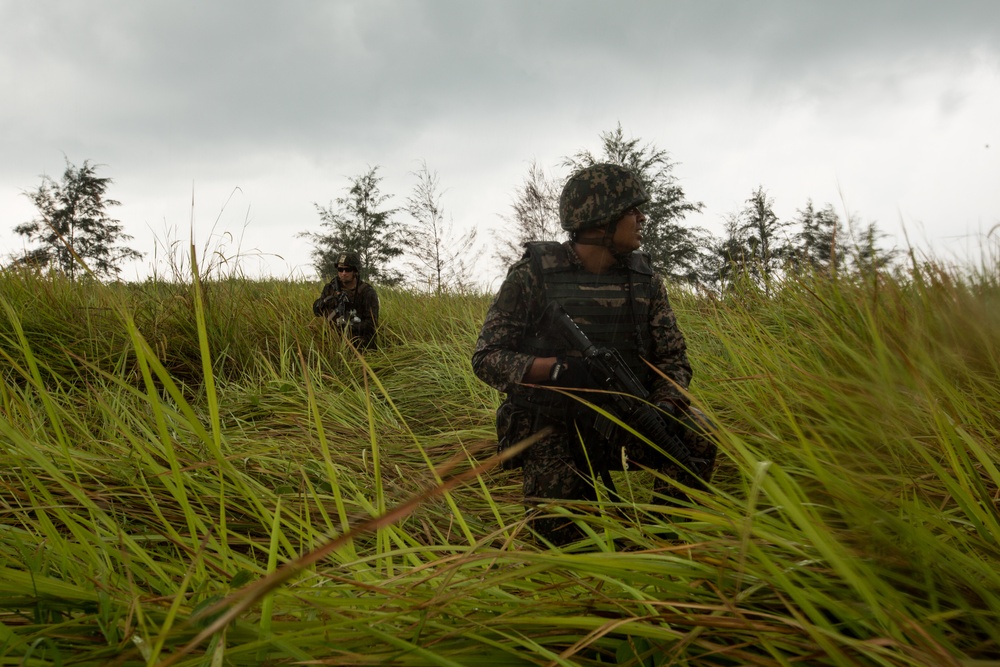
{"type": "Point", "coordinates": [349, 303]}
{"type": "Point", "coordinates": [609, 289]}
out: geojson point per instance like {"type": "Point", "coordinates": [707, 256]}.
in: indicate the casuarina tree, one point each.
{"type": "Point", "coordinates": [534, 216]}
{"type": "Point", "coordinates": [442, 259]}
{"type": "Point", "coordinates": [73, 225]}
{"type": "Point", "coordinates": [730, 257]}
{"type": "Point", "coordinates": [868, 256]}
{"type": "Point", "coordinates": [763, 235]}
{"type": "Point", "coordinates": [360, 222]}
{"type": "Point", "coordinates": [821, 242]}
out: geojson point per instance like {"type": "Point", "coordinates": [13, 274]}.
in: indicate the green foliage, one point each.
{"type": "Point", "coordinates": [822, 242]}
{"type": "Point", "coordinates": [209, 458]}
{"type": "Point", "coordinates": [752, 248]}
{"type": "Point", "coordinates": [867, 256]}
{"type": "Point", "coordinates": [756, 249]}
{"type": "Point", "coordinates": [360, 224]}
{"type": "Point", "coordinates": [73, 225]}
{"type": "Point", "coordinates": [761, 228]}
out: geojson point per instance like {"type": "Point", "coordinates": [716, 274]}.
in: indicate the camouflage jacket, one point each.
{"type": "Point", "coordinates": [361, 299]}
{"type": "Point", "coordinates": [500, 358]}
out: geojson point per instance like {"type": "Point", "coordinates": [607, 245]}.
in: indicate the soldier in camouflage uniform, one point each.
{"type": "Point", "coordinates": [610, 290]}
{"type": "Point", "coordinates": [349, 303]}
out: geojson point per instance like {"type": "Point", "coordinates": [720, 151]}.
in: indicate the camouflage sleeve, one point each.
{"type": "Point", "coordinates": [324, 303]}
{"type": "Point", "coordinates": [669, 348]}
{"type": "Point", "coordinates": [496, 359]}
{"type": "Point", "coordinates": [367, 306]}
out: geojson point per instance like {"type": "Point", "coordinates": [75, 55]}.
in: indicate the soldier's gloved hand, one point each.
{"type": "Point", "coordinates": [570, 374]}
{"type": "Point", "coordinates": [322, 306]}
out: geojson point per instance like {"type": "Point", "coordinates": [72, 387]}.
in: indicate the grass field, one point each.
{"type": "Point", "coordinates": [200, 473]}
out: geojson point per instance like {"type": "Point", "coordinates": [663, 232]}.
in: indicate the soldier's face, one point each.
{"type": "Point", "coordinates": [348, 277]}
{"type": "Point", "coordinates": [628, 231]}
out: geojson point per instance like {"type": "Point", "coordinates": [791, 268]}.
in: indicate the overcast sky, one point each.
{"type": "Point", "coordinates": [238, 116]}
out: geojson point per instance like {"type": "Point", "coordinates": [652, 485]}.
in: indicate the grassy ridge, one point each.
{"type": "Point", "coordinates": [173, 452]}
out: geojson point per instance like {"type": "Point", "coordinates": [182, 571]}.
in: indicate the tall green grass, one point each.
{"type": "Point", "coordinates": [201, 473]}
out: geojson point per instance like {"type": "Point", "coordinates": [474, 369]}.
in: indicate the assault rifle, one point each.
{"type": "Point", "coordinates": [344, 314]}
{"type": "Point", "coordinates": [628, 396]}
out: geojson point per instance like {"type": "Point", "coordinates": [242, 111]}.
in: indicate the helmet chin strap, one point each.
{"type": "Point", "coordinates": [606, 241]}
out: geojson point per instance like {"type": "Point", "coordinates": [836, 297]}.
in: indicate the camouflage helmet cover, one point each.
{"type": "Point", "coordinates": [598, 195]}
{"type": "Point", "coordinates": [350, 260]}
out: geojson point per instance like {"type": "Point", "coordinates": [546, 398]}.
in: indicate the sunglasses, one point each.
{"type": "Point", "coordinates": [342, 269]}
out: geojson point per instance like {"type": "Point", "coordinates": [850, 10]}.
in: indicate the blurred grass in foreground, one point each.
{"type": "Point", "coordinates": [171, 451]}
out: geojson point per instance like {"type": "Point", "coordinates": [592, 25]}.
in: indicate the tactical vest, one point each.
{"type": "Point", "coordinates": [611, 308]}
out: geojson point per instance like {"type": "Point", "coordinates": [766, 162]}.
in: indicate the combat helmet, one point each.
{"type": "Point", "coordinates": [598, 195]}
{"type": "Point", "coordinates": [350, 260]}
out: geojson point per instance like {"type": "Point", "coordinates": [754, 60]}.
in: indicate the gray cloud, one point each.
{"type": "Point", "coordinates": [284, 100]}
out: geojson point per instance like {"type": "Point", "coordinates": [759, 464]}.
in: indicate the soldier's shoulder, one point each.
{"type": "Point", "coordinates": [549, 256]}
{"type": "Point", "coordinates": [518, 288]}
{"type": "Point", "coordinates": [519, 268]}
{"type": "Point", "coordinates": [641, 262]}
{"type": "Point", "coordinates": [542, 246]}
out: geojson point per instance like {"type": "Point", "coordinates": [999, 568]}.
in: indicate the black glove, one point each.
{"type": "Point", "coordinates": [570, 374]}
